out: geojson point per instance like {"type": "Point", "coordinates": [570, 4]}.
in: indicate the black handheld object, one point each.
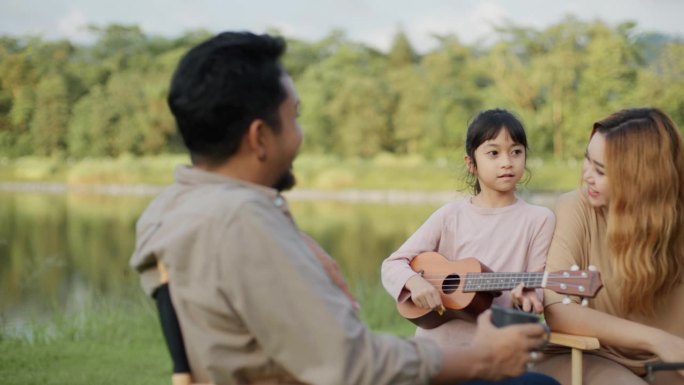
{"type": "Point", "coordinates": [503, 316]}
{"type": "Point", "coordinates": [652, 367]}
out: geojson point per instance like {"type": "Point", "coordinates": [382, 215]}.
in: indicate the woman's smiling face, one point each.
{"type": "Point", "coordinates": [594, 171]}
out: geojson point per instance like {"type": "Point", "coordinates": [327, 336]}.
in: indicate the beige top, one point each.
{"type": "Point", "coordinates": [580, 238]}
{"type": "Point", "coordinates": [253, 302]}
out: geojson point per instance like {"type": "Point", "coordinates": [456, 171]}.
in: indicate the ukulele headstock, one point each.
{"type": "Point", "coordinates": [582, 283]}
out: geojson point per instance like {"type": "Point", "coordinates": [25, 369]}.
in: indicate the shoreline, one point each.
{"type": "Point", "coordinates": [298, 194]}
{"type": "Point", "coordinates": [388, 196]}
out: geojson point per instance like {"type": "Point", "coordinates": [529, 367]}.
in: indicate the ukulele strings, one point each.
{"type": "Point", "coordinates": [502, 275]}
{"type": "Point", "coordinates": [495, 281]}
{"type": "Point", "coordinates": [496, 287]}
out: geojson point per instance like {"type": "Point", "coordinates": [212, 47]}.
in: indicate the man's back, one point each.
{"type": "Point", "coordinates": [252, 299]}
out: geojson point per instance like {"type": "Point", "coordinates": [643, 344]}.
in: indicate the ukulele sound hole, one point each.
{"type": "Point", "coordinates": [451, 283]}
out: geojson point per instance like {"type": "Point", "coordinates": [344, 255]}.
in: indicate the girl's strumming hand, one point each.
{"type": "Point", "coordinates": [423, 293]}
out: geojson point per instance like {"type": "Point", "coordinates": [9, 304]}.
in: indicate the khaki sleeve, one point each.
{"type": "Point", "coordinates": [301, 319]}
{"type": "Point", "coordinates": [567, 245]}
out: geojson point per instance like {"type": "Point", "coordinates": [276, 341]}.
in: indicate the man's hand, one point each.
{"type": "Point", "coordinates": [423, 293]}
{"type": "Point", "coordinates": [505, 351]}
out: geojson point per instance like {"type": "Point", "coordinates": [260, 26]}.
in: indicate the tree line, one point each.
{"type": "Point", "coordinates": [108, 98]}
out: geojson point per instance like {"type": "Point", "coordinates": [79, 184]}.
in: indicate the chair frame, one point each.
{"type": "Point", "coordinates": [577, 345]}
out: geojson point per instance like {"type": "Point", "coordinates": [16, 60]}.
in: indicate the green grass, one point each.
{"type": "Point", "coordinates": [379, 312]}
{"type": "Point", "coordinates": [116, 342]}
{"type": "Point", "coordinates": [119, 341]}
{"type": "Point", "coordinates": [323, 172]}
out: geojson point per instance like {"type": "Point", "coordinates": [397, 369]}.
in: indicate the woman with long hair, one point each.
{"type": "Point", "coordinates": [628, 221]}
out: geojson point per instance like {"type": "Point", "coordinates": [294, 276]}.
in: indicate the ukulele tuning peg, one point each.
{"type": "Point", "coordinates": [585, 302]}
{"type": "Point", "coordinates": [574, 268]}
{"type": "Point", "coordinates": [566, 300]}
{"type": "Point", "coordinates": [592, 268]}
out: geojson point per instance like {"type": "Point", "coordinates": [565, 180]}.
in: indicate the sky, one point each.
{"type": "Point", "coordinates": [374, 22]}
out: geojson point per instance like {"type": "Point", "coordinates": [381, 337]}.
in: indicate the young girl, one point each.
{"type": "Point", "coordinates": [494, 225]}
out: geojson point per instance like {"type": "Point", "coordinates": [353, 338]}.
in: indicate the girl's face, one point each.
{"type": "Point", "coordinates": [499, 164]}
{"type": "Point", "coordinates": [593, 172]}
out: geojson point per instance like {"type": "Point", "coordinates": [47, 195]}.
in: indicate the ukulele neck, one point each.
{"type": "Point", "coordinates": [475, 282]}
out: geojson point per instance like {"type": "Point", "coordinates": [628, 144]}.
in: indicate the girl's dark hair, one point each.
{"type": "Point", "coordinates": [486, 126]}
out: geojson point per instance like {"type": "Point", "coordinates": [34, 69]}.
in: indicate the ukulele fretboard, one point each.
{"type": "Point", "coordinates": [501, 281]}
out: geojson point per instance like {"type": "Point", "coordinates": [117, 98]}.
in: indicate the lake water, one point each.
{"type": "Point", "coordinates": [60, 250]}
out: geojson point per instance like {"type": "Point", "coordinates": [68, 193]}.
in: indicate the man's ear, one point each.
{"type": "Point", "coordinates": [256, 138]}
{"type": "Point", "coordinates": [470, 165]}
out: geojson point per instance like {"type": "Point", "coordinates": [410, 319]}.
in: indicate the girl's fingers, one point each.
{"type": "Point", "coordinates": [435, 301]}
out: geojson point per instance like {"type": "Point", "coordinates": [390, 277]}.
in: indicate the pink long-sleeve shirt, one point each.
{"type": "Point", "coordinates": [514, 238]}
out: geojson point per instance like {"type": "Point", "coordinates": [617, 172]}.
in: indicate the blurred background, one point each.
{"type": "Point", "coordinates": [387, 90]}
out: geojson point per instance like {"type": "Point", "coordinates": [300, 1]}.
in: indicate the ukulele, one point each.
{"type": "Point", "coordinates": [467, 287]}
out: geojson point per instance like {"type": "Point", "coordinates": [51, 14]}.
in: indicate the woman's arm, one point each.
{"type": "Point", "coordinates": [614, 331]}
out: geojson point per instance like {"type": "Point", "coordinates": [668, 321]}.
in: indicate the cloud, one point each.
{"type": "Point", "coordinates": [73, 26]}
{"type": "Point", "coordinates": [380, 38]}
{"type": "Point", "coordinates": [468, 26]}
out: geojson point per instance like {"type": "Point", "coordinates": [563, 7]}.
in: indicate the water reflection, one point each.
{"type": "Point", "coordinates": [59, 251]}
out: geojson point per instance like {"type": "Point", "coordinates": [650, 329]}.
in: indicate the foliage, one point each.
{"type": "Point", "coordinates": [107, 99]}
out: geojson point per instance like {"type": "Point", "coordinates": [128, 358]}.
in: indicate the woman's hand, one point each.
{"type": "Point", "coordinates": [526, 299]}
{"type": "Point", "coordinates": [423, 293]}
{"type": "Point", "coordinates": [669, 348]}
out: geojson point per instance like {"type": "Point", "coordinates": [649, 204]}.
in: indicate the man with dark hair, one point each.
{"type": "Point", "coordinates": [254, 301]}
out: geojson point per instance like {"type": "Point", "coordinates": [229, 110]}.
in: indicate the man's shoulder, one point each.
{"type": "Point", "coordinates": [209, 201]}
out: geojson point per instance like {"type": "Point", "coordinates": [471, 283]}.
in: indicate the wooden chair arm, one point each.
{"type": "Point", "coordinates": [181, 379]}
{"type": "Point", "coordinates": [184, 379]}
{"type": "Point", "coordinates": [577, 344]}
{"type": "Point", "coordinates": [574, 341]}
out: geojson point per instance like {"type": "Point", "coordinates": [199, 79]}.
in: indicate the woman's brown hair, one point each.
{"type": "Point", "coordinates": [645, 170]}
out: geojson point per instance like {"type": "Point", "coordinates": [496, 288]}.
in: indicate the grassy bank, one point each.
{"type": "Point", "coordinates": [313, 171]}
{"type": "Point", "coordinates": [113, 342]}
{"type": "Point", "coordinates": [119, 341]}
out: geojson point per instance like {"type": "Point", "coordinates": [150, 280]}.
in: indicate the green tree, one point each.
{"type": "Point", "coordinates": [18, 76]}
{"type": "Point", "coordinates": [609, 79]}
{"type": "Point", "coordinates": [51, 117]}
{"type": "Point", "coordinates": [401, 53]}
{"type": "Point", "coordinates": [661, 84]}
{"type": "Point", "coordinates": [557, 72]}
{"type": "Point", "coordinates": [327, 92]}
{"type": "Point", "coordinates": [457, 83]}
